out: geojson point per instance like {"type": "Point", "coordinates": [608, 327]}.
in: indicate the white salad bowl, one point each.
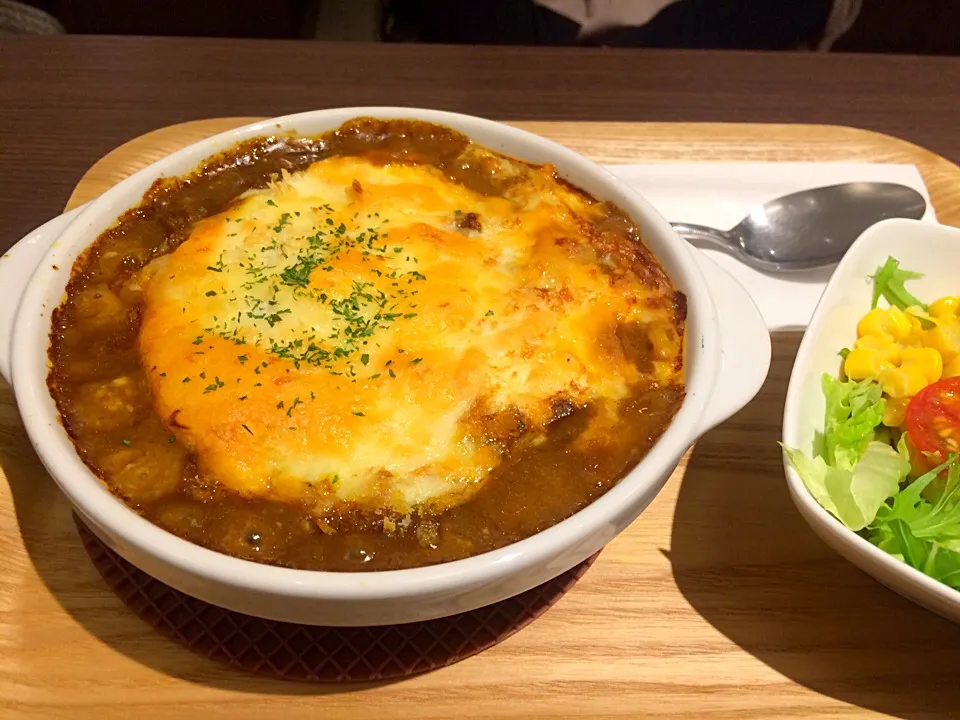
{"type": "Point", "coordinates": [927, 248]}
{"type": "Point", "coordinates": [727, 358]}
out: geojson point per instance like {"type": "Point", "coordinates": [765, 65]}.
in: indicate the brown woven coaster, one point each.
{"type": "Point", "coordinates": [320, 654]}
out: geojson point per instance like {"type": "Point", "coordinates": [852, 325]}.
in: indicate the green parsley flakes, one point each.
{"type": "Point", "coordinates": [215, 385]}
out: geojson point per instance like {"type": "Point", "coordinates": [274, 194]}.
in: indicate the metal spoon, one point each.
{"type": "Point", "coordinates": [808, 229]}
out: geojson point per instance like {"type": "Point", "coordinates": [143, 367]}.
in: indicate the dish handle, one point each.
{"type": "Point", "coordinates": [744, 345]}
{"type": "Point", "coordinates": [17, 266]}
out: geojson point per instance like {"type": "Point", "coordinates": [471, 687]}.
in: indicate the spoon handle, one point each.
{"type": "Point", "coordinates": [703, 236]}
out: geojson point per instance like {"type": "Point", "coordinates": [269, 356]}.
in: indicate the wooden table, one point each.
{"type": "Point", "coordinates": [760, 628]}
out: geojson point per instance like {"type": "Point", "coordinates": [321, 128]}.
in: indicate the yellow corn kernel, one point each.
{"type": "Point", "coordinates": [944, 338]}
{"type": "Point", "coordinates": [911, 313]}
{"type": "Point", "coordinates": [894, 411]}
{"type": "Point", "coordinates": [952, 368]}
{"type": "Point", "coordinates": [901, 322]}
{"type": "Point", "coordinates": [928, 360]}
{"type": "Point", "coordinates": [945, 306]}
{"type": "Point", "coordinates": [863, 363]}
{"type": "Point", "coordinates": [875, 322]}
{"type": "Point", "coordinates": [902, 382]}
{"type": "Point", "coordinates": [886, 348]}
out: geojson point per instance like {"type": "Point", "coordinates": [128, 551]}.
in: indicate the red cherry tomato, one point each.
{"type": "Point", "coordinates": [933, 417]}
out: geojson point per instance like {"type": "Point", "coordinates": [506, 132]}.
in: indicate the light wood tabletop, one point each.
{"type": "Point", "coordinates": [717, 603]}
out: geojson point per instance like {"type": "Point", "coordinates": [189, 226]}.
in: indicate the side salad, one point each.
{"type": "Point", "coordinates": [886, 462]}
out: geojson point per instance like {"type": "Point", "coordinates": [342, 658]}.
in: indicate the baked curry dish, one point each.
{"type": "Point", "coordinates": [377, 348]}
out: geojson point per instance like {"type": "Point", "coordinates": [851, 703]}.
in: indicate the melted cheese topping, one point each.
{"type": "Point", "coordinates": [382, 335]}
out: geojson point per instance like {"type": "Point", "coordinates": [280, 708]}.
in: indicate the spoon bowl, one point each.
{"type": "Point", "coordinates": [808, 229]}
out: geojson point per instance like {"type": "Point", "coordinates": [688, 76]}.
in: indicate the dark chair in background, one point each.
{"type": "Point", "coordinates": [883, 26]}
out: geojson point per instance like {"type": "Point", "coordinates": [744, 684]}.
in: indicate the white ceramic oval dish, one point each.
{"type": "Point", "coordinates": [727, 360]}
{"type": "Point", "coordinates": [927, 248]}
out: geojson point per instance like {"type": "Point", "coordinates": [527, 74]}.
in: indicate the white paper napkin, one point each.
{"type": "Point", "coordinates": [721, 194]}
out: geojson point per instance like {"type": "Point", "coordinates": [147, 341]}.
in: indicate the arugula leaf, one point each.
{"type": "Point", "coordinates": [888, 281]}
{"type": "Point", "coordinates": [929, 557]}
{"type": "Point", "coordinates": [938, 520]}
{"type": "Point", "coordinates": [913, 551]}
{"type": "Point", "coordinates": [925, 534]}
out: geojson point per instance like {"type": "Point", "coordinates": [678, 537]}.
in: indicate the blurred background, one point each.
{"type": "Point", "coordinates": [882, 26]}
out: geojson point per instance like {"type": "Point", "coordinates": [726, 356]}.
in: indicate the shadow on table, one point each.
{"type": "Point", "coordinates": [746, 561]}
{"type": "Point", "coordinates": [45, 520]}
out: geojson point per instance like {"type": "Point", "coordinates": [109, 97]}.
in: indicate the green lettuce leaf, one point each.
{"type": "Point", "coordinates": [850, 473]}
{"type": "Point", "coordinates": [859, 494]}
{"type": "Point", "coordinates": [888, 281]}
{"type": "Point", "coordinates": [853, 496]}
{"type": "Point", "coordinates": [853, 411]}
{"type": "Point", "coordinates": [813, 471]}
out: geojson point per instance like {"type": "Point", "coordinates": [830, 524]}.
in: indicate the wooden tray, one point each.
{"type": "Point", "coordinates": [718, 602]}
